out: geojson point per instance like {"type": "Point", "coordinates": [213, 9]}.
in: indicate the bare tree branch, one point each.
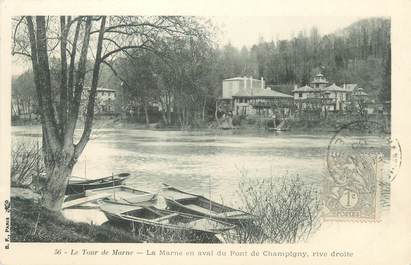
{"type": "Point", "coordinates": [63, 78]}
{"type": "Point", "coordinates": [92, 97]}
{"type": "Point", "coordinates": [79, 84]}
{"type": "Point", "coordinates": [72, 62]}
{"type": "Point", "coordinates": [14, 39]}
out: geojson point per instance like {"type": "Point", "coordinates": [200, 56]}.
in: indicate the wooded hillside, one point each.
{"type": "Point", "coordinates": [358, 54]}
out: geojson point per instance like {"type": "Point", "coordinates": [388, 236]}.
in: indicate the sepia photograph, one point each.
{"type": "Point", "coordinates": [160, 129]}
{"type": "Point", "coordinates": [204, 137]}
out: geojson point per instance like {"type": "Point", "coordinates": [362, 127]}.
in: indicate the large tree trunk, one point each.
{"type": "Point", "coordinates": [59, 152]}
{"type": "Point", "coordinates": [56, 185]}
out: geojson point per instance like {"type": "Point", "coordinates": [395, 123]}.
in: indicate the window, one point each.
{"type": "Point", "coordinates": [300, 95]}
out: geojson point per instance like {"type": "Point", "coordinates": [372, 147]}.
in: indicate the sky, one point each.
{"type": "Point", "coordinates": [246, 31]}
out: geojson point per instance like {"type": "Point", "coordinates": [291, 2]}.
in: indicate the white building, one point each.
{"type": "Point", "coordinates": [248, 96]}
{"type": "Point", "coordinates": [105, 99]}
{"type": "Point", "coordinates": [320, 94]}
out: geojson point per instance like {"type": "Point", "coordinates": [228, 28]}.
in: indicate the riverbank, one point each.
{"type": "Point", "coordinates": [246, 125]}
{"type": "Point", "coordinates": [31, 223]}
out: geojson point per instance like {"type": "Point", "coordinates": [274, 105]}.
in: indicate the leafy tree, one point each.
{"type": "Point", "coordinates": [23, 94]}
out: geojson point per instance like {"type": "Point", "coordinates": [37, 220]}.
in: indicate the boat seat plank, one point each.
{"type": "Point", "coordinates": [165, 217]}
{"type": "Point", "coordinates": [84, 200]}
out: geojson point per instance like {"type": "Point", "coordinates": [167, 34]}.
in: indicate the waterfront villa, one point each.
{"type": "Point", "coordinates": [321, 95]}
{"type": "Point", "coordinates": [248, 96]}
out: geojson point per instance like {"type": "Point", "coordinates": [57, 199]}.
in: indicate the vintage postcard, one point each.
{"type": "Point", "coordinates": [198, 133]}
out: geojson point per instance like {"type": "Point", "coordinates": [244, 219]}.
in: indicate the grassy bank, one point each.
{"type": "Point", "coordinates": [31, 223]}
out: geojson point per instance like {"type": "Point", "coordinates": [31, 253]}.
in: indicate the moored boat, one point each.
{"type": "Point", "coordinates": [178, 200]}
{"type": "Point", "coordinates": [79, 185]}
{"type": "Point", "coordinates": [123, 194]}
{"type": "Point", "coordinates": [152, 217]}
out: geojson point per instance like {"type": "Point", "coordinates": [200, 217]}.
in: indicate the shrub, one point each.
{"type": "Point", "coordinates": [286, 210]}
{"type": "Point", "coordinates": [26, 164]}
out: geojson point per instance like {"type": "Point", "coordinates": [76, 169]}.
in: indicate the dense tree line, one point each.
{"type": "Point", "coordinates": [358, 54]}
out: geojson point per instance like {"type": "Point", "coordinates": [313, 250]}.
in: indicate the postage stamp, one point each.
{"type": "Point", "coordinates": [355, 166]}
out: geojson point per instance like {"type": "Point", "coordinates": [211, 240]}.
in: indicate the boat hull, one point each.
{"type": "Point", "coordinates": [123, 194]}
{"type": "Point", "coordinates": [237, 220]}
{"type": "Point", "coordinates": [185, 202]}
{"type": "Point", "coordinates": [82, 186]}
{"type": "Point", "coordinates": [154, 219]}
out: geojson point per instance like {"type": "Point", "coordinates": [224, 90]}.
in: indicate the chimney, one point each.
{"type": "Point", "coordinates": [245, 82]}
{"type": "Point", "coordinates": [262, 82]}
{"type": "Point", "coordinates": [295, 86]}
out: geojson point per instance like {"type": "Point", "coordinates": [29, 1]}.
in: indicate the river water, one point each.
{"type": "Point", "coordinates": [208, 163]}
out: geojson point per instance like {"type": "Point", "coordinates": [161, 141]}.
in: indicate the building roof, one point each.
{"type": "Point", "coordinates": [333, 87]}
{"type": "Point", "coordinates": [359, 92]}
{"type": "Point", "coordinates": [239, 78]}
{"type": "Point", "coordinates": [285, 88]}
{"type": "Point", "coordinates": [319, 79]}
{"type": "Point", "coordinates": [262, 93]}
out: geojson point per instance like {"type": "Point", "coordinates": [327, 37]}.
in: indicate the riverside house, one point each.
{"type": "Point", "coordinates": [320, 94]}
{"type": "Point", "coordinates": [248, 96]}
{"type": "Point", "coordinates": [105, 100]}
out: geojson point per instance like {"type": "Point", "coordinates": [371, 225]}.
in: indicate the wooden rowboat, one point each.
{"type": "Point", "coordinates": [118, 194]}
{"type": "Point", "coordinates": [123, 194]}
{"type": "Point", "coordinates": [79, 185]}
{"type": "Point", "coordinates": [178, 200]}
{"type": "Point", "coordinates": [152, 217]}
